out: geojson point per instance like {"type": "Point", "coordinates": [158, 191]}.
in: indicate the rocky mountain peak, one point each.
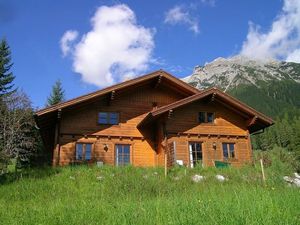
{"type": "Point", "coordinates": [227, 73]}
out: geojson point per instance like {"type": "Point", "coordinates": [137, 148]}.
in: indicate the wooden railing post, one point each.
{"type": "Point", "coordinates": [262, 170]}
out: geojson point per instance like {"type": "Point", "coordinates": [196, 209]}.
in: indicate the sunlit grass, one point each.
{"type": "Point", "coordinates": [109, 195]}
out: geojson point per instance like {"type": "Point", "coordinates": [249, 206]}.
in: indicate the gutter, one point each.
{"type": "Point", "coordinates": [259, 132]}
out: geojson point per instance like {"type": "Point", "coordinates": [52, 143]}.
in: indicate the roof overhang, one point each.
{"type": "Point", "coordinates": [256, 120]}
{"type": "Point", "coordinates": [158, 77]}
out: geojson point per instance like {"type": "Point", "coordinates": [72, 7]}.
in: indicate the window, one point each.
{"type": "Point", "coordinates": [210, 117]}
{"type": "Point", "coordinates": [102, 119]}
{"type": "Point", "coordinates": [114, 118]}
{"type": "Point", "coordinates": [202, 117]}
{"type": "Point", "coordinates": [83, 151]}
{"type": "Point", "coordinates": [88, 151]}
{"type": "Point", "coordinates": [206, 117]}
{"type": "Point", "coordinates": [195, 153]}
{"type": "Point", "coordinates": [228, 150]}
{"type": "Point", "coordinates": [79, 151]}
{"type": "Point", "coordinates": [122, 154]}
{"type": "Point", "coordinates": [111, 118]}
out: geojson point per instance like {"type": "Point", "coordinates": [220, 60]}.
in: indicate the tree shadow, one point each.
{"type": "Point", "coordinates": [30, 172]}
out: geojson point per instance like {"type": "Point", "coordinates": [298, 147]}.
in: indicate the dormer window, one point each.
{"type": "Point", "coordinates": [206, 117]}
{"type": "Point", "coordinates": [110, 118]}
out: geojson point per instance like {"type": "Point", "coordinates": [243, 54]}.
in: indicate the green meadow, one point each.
{"type": "Point", "coordinates": [128, 195]}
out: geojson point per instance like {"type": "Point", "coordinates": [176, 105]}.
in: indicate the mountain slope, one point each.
{"type": "Point", "coordinates": [274, 98]}
{"type": "Point", "coordinates": [272, 87]}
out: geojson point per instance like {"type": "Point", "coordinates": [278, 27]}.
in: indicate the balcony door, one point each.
{"type": "Point", "coordinates": [196, 156]}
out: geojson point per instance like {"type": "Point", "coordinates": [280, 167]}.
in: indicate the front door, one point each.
{"type": "Point", "coordinates": [122, 154]}
{"type": "Point", "coordinates": [195, 149]}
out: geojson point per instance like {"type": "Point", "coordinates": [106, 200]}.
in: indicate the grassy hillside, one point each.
{"type": "Point", "coordinates": [91, 195]}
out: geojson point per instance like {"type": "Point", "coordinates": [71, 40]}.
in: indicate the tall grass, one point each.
{"type": "Point", "coordinates": [127, 195]}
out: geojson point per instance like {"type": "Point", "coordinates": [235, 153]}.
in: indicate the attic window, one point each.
{"type": "Point", "coordinates": [110, 118]}
{"type": "Point", "coordinates": [206, 117]}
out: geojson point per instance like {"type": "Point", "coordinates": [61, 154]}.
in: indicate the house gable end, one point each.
{"type": "Point", "coordinates": [256, 120]}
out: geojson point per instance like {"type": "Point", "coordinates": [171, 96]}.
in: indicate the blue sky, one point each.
{"type": "Point", "coordinates": [172, 35]}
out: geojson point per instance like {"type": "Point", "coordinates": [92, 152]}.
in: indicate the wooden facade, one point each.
{"type": "Point", "coordinates": [149, 119]}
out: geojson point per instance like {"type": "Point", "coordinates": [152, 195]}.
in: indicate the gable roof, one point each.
{"type": "Point", "coordinates": [216, 94]}
{"type": "Point", "coordinates": [156, 74]}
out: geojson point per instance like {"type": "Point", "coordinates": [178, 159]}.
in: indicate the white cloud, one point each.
{"type": "Point", "coordinates": [178, 15]}
{"type": "Point", "coordinates": [282, 41]}
{"type": "Point", "coordinates": [68, 37]}
{"type": "Point", "coordinates": [115, 49]}
{"type": "Point", "coordinates": [294, 56]}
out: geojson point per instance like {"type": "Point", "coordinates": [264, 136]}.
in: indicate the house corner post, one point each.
{"type": "Point", "coordinates": [56, 155]}
{"type": "Point", "coordinates": [165, 149]}
{"type": "Point", "coordinates": [250, 150]}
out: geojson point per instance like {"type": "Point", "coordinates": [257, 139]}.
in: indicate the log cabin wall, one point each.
{"type": "Point", "coordinates": [183, 127]}
{"type": "Point", "coordinates": [80, 124]}
{"type": "Point", "coordinates": [76, 121]}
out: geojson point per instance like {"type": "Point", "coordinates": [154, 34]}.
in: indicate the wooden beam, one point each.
{"type": "Point", "coordinates": [166, 154]}
{"type": "Point", "coordinates": [211, 135]}
{"type": "Point", "coordinates": [111, 97]}
{"type": "Point", "coordinates": [57, 136]}
{"type": "Point", "coordinates": [252, 121]}
{"type": "Point", "coordinates": [158, 81]}
{"type": "Point", "coordinates": [59, 114]}
{"type": "Point", "coordinates": [170, 113]}
{"type": "Point", "coordinates": [213, 97]}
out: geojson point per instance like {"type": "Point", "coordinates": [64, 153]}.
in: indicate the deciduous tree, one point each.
{"type": "Point", "coordinates": [17, 139]}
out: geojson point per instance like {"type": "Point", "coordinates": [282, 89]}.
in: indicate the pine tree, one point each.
{"type": "Point", "coordinates": [57, 95]}
{"type": "Point", "coordinates": [6, 76]}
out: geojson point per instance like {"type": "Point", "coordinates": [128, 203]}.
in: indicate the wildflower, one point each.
{"type": "Point", "coordinates": [100, 178]}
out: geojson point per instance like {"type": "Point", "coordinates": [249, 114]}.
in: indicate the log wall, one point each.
{"type": "Point", "coordinates": [81, 125]}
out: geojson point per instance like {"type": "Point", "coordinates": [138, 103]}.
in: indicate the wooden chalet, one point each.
{"type": "Point", "coordinates": [149, 121]}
